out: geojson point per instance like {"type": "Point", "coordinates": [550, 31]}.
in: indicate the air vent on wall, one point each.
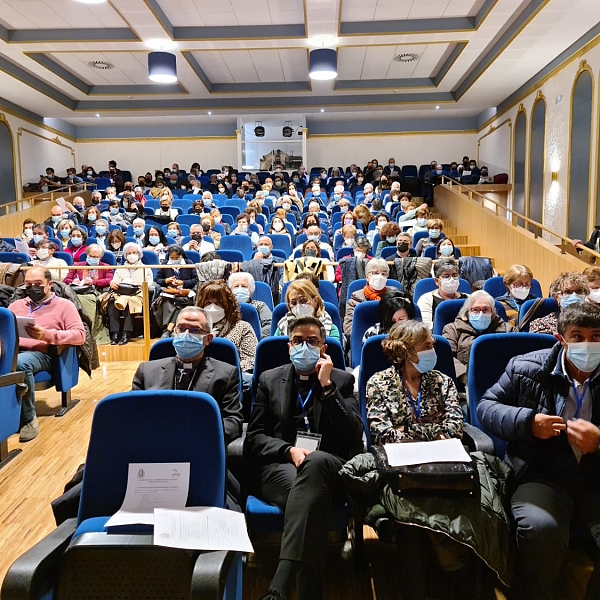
{"type": "Point", "coordinates": [406, 57]}
{"type": "Point", "coordinates": [100, 65]}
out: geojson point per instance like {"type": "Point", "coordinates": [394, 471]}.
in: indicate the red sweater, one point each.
{"type": "Point", "coordinates": [58, 317]}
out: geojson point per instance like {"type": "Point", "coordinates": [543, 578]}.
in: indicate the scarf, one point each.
{"type": "Point", "coordinates": [372, 294]}
{"type": "Point", "coordinates": [285, 321]}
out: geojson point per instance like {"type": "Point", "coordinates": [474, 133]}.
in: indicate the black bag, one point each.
{"type": "Point", "coordinates": [128, 289]}
{"type": "Point", "coordinates": [431, 479]}
{"type": "Point", "coordinates": [83, 289]}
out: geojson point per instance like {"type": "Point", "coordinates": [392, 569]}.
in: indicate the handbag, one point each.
{"type": "Point", "coordinates": [128, 289]}
{"type": "Point", "coordinates": [83, 289]}
{"type": "Point", "coordinates": [429, 479]}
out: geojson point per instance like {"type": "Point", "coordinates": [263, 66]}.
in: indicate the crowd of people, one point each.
{"type": "Point", "coordinates": [305, 423]}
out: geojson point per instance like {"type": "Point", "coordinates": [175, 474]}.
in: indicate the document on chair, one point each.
{"type": "Point", "coordinates": [21, 246]}
{"type": "Point", "coordinates": [417, 453]}
{"type": "Point", "coordinates": [150, 486]}
{"type": "Point", "coordinates": [21, 323]}
{"type": "Point", "coordinates": [62, 203]}
{"type": "Point", "coordinates": [201, 528]}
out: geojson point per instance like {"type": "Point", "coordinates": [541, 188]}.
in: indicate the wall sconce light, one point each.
{"type": "Point", "coordinates": [554, 176]}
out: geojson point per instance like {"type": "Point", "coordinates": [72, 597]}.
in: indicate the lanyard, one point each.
{"type": "Point", "coordinates": [303, 405]}
{"type": "Point", "coordinates": [32, 309]}
{"type": "Point", "coordinates": [416, 408]}
{"type": "Point", "coordinates": [578, 398]}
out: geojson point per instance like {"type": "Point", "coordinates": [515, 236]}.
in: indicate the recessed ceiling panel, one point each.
{"type": "Point", "coordinates": [395, 10]}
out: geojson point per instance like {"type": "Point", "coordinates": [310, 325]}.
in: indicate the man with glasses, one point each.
{"type": "Point", "coordinates": [193, 371]}
{"type": "Point", "coordinates": [305, 425]}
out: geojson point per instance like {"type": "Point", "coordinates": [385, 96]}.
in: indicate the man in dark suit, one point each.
{"type": "Point", "coordinates": [191, 370]}
{"type": "Point", "coordinates": [304, 426]}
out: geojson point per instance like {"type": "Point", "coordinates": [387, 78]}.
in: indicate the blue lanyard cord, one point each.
{"type": "Point", "coordinates": [32, 309]}
{"type": "Point", "coordinates": [416, 408]}
{"type": "Point", "coordinates": [579, 399]}
{"type": "Point", "coordinates": [303, 404]}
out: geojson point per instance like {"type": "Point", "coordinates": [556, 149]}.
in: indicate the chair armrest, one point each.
{"type": "Point", "coordinates": [477, 440]}
{"type": "Point", "coordinates": [12, 378]}
{"type": "Point", "coordinates": [210, 574]}
{"type": "Point", "coordinates": [35, 572]}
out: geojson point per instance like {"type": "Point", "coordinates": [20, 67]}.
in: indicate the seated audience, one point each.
{"type": "Point", "coordinates": [381, 219]}
{"type": "Point", "coordinates": [220, 304]}
{"type": "Point", "coordinates": [174, 289]}
{"type": "Point", "coordinates": [484, 176]}
{"type": "Point", "coordinates": [252, 212]}
{"type": "Point", "coordinates": [27, 230]}
{"type": "Point", "coordinates": [477, 317]}
{"type": "Point", "coordinates": [421, 217]}
{"type": "Point", "coordinates": [242, 285]}
{"type": "Point", "coordinates": [101, 230]}
{"type": "Point", "coordinates": [64, 229]}
{"type": "Point", "coordinates": [77, 243]}
{"type": "Point", "coordinates": [376, 274]}
{"type": "Point", "coordinates": [303, 483]}
{"type": "Point", "coordinates": [445, 275]}
{"type": "Point", "coordinates": [57, 323]}
{"type": "Point", "coordinates": [198, 241]}
{"type": "Point", "coordinates": [44, 257]}
{"type": "Point", "coordinates": [388, 234]}
{"type": "Point", "coordinates": [303, 300]}
{"type": "Point", "coordinates": [567, 289]}
{"type": "Point", "coordinates": [55, 218]}
{"type": "Point", "coordinates": [313, 234]}
{"type": "Point", "coordinates": [115, 242]}
{"type": "Point", "coordinates": [5, 246]}
{"type": "Point", "coordinates": [364, 216]}
{"type": "Point", "coordinates": [174, 232]}
{"type": "Point", "coordinates": [155, 240]}
{"type": "Point", "coordinates": [263, 250]}
{"type": "Point", "coordinates": [90, 277]}
{"type": "Point", "coordinates": [165, 209]}
{"type": "Point", "coordinates": [90, 216]}
{"type": "Point", "coordinates": [159, 187]}
{"type": "Point", "coordinates": [593, 277]}
{"type": "Point", "coordinates": [393, 308]}
{"type": "Point", "coordinates": [309, 261]}
{"type": "Point", "coordinates": [544, 407]}
{"type": "Point", "coordinates": [114, 216]}
{"type": "Point", "coordinates": [445, 249]}
{"type": "Point", "coordinates": [517, 280]}
{"type": "Point", "coordinates": [243, 228]}
{"type": "Point", "coordinates": [434, 229]}
{"type": "Point", "coordinates": [404, 247]}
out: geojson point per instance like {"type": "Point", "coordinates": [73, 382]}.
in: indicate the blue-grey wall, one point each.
{"type": "Point", "coordinates": [519, 168]}
{"type": "Point", "coordinates": [536, 162]}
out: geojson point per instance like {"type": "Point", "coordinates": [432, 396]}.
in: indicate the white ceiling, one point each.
{"type": "Point", "coordinates": [251, 56]}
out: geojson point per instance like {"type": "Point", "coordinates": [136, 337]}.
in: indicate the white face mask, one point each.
{"type": "Point", "coordinates": [216, 312]}
{"type": "Point", "coordinates": [520, 293]}
{"type": "Point", "coordinates": [303, 310]}
{"type": "Point", "coordinates": [377, 282]}
{"type": "Point", "coordinates": [132, 258]}
{"type": "Point", "coordinates": [449, 286]}
{"type": "Point", "coordinates": [594, 296]}
{"type": "Point", "coordinates": [43, 254]}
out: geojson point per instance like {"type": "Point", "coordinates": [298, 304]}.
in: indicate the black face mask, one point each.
{"type": "Point", "coordinates": [311, 253]}
{"type": "Point", "coordinates": [205, 226]}
{"type": "Point", "coordinates": [164, 207]}
{"type": "Point", "coordinates": [35, 293]}
{"type": "Point", "coordinates": [196, 237]}
{"type": "Point", "coordinates": [95, 201]}
{"type": "Point", "coordinates": [402, 247]}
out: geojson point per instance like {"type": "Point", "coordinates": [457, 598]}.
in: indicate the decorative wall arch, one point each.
{"type": "Point", "coordinates": [8, 190]}
{"type": "Point", "coordinates": [519, 158]}
{"type": "Point", "coordinates": [537, 159]}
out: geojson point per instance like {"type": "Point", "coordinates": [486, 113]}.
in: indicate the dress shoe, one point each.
{"type": "Point", "coordinates": [29, 431]}
{"type": "Point", "coordinates": [114, 339]}
{"type": "Point", "coordinates": [124, 339]}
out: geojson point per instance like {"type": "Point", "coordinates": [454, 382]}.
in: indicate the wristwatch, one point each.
{"type": "Point", "coordinates": [328, 389]}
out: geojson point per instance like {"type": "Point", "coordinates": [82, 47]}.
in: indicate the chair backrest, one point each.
{"type": "Point", "coordinates": [302, 238]}
{"type": "Point", "coordinates": [324, 254]}
{"type": "Point", "coordinates": [359, 284]}
{"type": "Point", "coordinates": [344, 251]}
{"type": "Point", "coordinates": [232, 211]}
{"type": "Point", "coordinates": [282, 242]}
{"type": "Point", "coordinates": [68, 258]}
{"type": "Point", "coordinates": [108, 257]}
{"type": "Point", "coordinates": [139, 427]}
{"type": "Point", "coordinates": [188, 220]}
{"type": "Point", "coordinates": [14, 257]}
{"type": "Point", "coordinates": [409, 171]}
{"type": "Point", "coordinates": [495, 287]}
{"type": "Point", "coordinates": [448, 310]}
{"type": "Point", "coordinates": [490, 354]}
{"type": "Point", "coordinates": [365, 316]}
{"type": "Point", "coordinates": [237, 242]}
{"type": "Point", "coordinates": [10, 343]}
{"type": "Point", "coordinates": [241, 204]}
{"type": "Point", "coordinates": [374, 360]}
{"type": "Point", "coordinates": [193, 255]}
{"type": "Point", "coordinates": [419, 235]}
{"type": "Point", "coordinates": [102, 183]}
{"type": "Point", "coordinates": [428, 285]}
{"type": "Point", "coordinates": [250, 315]}
{"type": "Point", "coordinates": [549, 305]}
{"type": "Point", "coordinates": [231, 255]}
{"type": "Point", "coordinates": [388, 252]}
{"type": "Point", "coordinates": [501, 178]}
{"type": "Point", "coordinates": [263, 293]}
{"type": "Point", "coordinates": [326, 291]}
{"type": "Point", "coordinates": [150, 257]}
{"type": "Point", "coordinates": [184, 204]}
{"type": "Point", "coordinates": [273, 352]}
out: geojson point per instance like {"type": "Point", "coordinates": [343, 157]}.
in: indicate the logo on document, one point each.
{"type": "Point", "coordinates": [141, 473]}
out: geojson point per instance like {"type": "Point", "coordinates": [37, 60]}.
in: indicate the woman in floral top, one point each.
{"type": "Point", "coordinates": [410, 400]}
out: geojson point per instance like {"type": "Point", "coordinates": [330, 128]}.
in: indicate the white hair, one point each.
{"type": "Point", "coordinates": [95, 247]}
{"type": "Point", "coordinates": [242, 275]}
{"type": "Point", "coordinates": [377, 263]}
{"type": "Point", "coordinates": [478, 295]}
{"type": "Point", "coordinates": [111, 190]}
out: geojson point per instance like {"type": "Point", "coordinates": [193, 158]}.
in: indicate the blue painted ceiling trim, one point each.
{"type": "Point", "coordinates": [198, 70]}
{"type": "Point", "coordinates": [407, 26]}
{"type": "Point", "coordinates": [71, 35]}
{"type": "Point", "coordinates": [371, 84]}
{"type": "Point", "coordinates": [160, 15]}
{"type": "Point", "coordinates": [20, 111]}
{"type": "Point", "coordinates": [454, 54]}
{"type": "Point", "coordinates": [229, 32]}
{"type": "Point", "coordinates": [267, 86]}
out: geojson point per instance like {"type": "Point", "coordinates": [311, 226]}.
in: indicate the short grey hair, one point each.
{"type": "Point", "coordinates": [377, 263]}
{"type": "Point", "coordinates": [138, 188]}
{"type": "Point", "coordinates": [129, 246]}
{"type": "Point", "coordinates": [196, 310]}
{"type": "Point", "coordinates": [139, 220]}
{"type": "Point", "coordinates": [110, 189]}
{"type": "Point", "coordinates": [247, 276]}
{"type": "Point", "coordinates": [478, 295]}
{"type": "Point", "coordinates": [102, 222]}
{"type": "Point", "coordinates": [443, 265]}
{"type": "Point", "coordinates": [95, 247]}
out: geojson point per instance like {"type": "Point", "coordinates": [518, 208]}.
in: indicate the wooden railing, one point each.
{"type": "Point", "coordinates": [537, 229]}
{"type": "Point", "coordinates": [26, 202]}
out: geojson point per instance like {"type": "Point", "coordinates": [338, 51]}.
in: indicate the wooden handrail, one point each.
{"type": "Point", "coordinates": [478, 198]}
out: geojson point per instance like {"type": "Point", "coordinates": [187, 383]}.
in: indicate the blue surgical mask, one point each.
{"type": "Point", "coordinates": [480, 322]}
{"type": "Point", "coordinates": [241, 294]}
{"type": "Point", "coordinates": [187, 345]}
{"type": "Point", "coordinates": [343, 209]}
{"type": "Point", "coordinates": [434, 234]}
{"type": "Point", "coordinates": [313, 238]}
{"type": "Point", "coordinates": [37, 239]}
{"type": "Point", "coordinates": [114, 211]}
{"type": "Point", "coordinates": [91, 218]}
{"type": "Point", "coordinates": [446, 250]}
{"type": "Point", "coordinates": [154, 239]}
{"type": "Point", "coordinates": [138, 230]}
{"type": "Point", "coordinates": [65, 233]}
{"type": "Point", "coordinates": [56, 218]}
{"type": "Point", "coordinates": [304, 358]}
{"type": "Point", "coordinates": [76, 241]}
{"type": "Point", "coordinates": [584, 355]}
{"type": "Point", "coordinates": [421, 222]}
{"type": "Point", "coordinates": [427, 360]}
{"type": "Point", "coordinates": [264, 250]}
{"type": "Point", "coordinates": [571, 299]}
{"type": "Point", "coordinates": [207, 202]}
{"type": "Point", "coordinates": [100, 230]}
{"type": "Point", "coordinates": [93, 262]}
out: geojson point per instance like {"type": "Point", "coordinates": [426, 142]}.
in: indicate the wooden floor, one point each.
{"type": "Point", "coordinates": [38, 474]}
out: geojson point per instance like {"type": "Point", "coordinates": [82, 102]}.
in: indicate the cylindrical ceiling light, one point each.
{"type": "Point", "coordinates": [323, 64]}
{"type": "Point", "coordinates": [162, 67]}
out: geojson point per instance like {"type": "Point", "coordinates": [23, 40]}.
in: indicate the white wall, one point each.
{"type": "Point", "coordinates": [494, 149]}
{"type": "Point", "coordinates": [139, 156]}
{"type": "Point", "coordinates": [406, 148]}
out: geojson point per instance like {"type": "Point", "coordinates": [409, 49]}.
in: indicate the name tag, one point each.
{"type": "Point", "coordinates": [308, 441]}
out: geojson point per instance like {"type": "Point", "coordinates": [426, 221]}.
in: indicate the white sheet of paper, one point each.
{"type": "Point", "coordinates": [21, 322]}
{"type": "Point", "coordinates": [150, 486]}
{"type": "Point", "coordinates": [61, 203]}
{"type": "Point", "coordinates": [418, 453]}
{"type": "Point", "coordinates": [21, 246]}
{"type": "Point", "coordinates": [201, 528]}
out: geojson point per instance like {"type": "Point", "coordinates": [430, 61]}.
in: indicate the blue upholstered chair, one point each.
{"type": "Point", "coordinates": [448, 310]}
{"type": "Point", "coordinates": [495, 287]}
{"type": "Point", "coordinates": [237, 242]}
{"type": "Point", "coordinates": [359, 284]}
{"type": "Point", "coordinates": [428, 285]}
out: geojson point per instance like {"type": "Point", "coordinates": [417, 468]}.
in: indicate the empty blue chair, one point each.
{"type": "Point", "coordinates": [428, 285]}
{"type": "Point", "coordinates": [68, 258]}
{"type": "Point", "coordinates": [14, 257]}
{"type": "Point", "coordinates": [108, 257]}
{"type": "Point", "coordinates": [150, 258]}
{"type": "Point", "coordinates": [409, 171]}
{"type": "Point", "coordinates": [183, 204]}
{"type": "Point", "coordinates": [374, 360]}
{"type": "Point", "coordinates": [193, 255]}
{"type": "Point", "coordinates": [282, 242]}
{"type": "Point", "coordinates": [178, 193]}
{"type": "Point", "coordinates": [263, 293]}
{"type": "Point", "coordinates": [10, 407]}
{"type": "Point", "coordinates": [365, 316]}
{"type": "Point", "coordinates": [102, 183]}
{"type": "Point", "coordinates": [188, 220]}
{"type": "Point", "coordinates": [241, 204]}
{"type": "Point", "coordinates": [359, 284]}
{"type": "Point", "coordinates": [237, 242]}
{"type": "Point", "coordinates": [447, 311]}
{"type": "Point", "coordinates": [231, 255]}
{"type": "Point", "coordinates": [495, 287]}
{"type": "Point", "coordinates": [547, 307]}
{"type": "Point", "coordinates": [250, 315]}
{"type": "Point", "coordinates": [192, 197]}
{"type": "Point", "coordinates": [419, 235]}
{"type": "Point", "coordinates": [388, 253]}
{"type": "Point", "coordinates": [232, 211]}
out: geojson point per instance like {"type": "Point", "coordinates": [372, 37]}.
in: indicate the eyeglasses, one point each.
{"type": "Point", "coordinates": [448, 276]}
{"type": "Point", "coordinates": [299, 300]}
{"type": "Point", "coordinates": [311, 342]}
{"type": "Point", "coordinates": [578, 291]}
{"type": "Point", "coordinates": [191, 330]}
{"type": "Point", "coordinates": [481, 311]}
